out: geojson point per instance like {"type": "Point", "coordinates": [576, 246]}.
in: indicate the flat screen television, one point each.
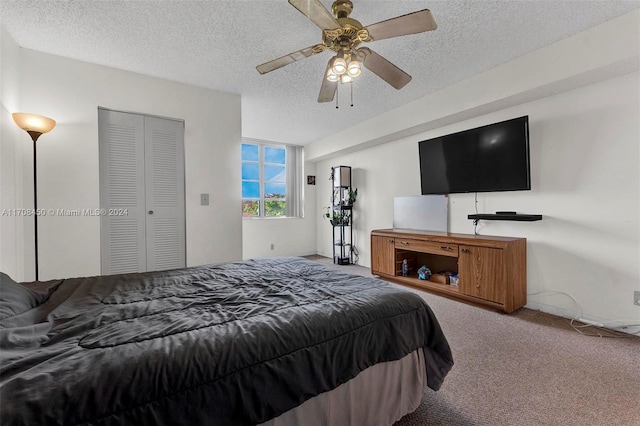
{"type": "Point", "coordinates": [485, 159]}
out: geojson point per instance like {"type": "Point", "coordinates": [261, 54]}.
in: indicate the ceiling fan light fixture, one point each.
{"type": "Point", "coordinates": [354, 69]}
{"type": "Point", "coordinates": [343, 35]}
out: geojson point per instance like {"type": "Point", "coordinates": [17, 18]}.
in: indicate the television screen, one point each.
{"type": "Point", "coordinates": [489, 158]}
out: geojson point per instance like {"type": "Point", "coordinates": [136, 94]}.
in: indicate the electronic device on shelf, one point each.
{"type": "Point", "coordinates": [485, 159]}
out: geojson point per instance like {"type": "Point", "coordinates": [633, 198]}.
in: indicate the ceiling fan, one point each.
{"type": "Point", "coordinates": [343, 35]}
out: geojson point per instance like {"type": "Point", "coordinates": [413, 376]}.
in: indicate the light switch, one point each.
{"type": "Point", "coordinates": [204, 199]}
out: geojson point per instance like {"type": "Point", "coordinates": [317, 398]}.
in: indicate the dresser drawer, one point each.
{"type": "Point", "coordinates": [442, 249]}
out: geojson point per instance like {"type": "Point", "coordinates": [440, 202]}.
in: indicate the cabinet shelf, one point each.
{"type": "Point", "coordinates": [519, 217]}
{"type": "Point", "coordinates": [446, 290]}
{"type": "Point", "coordinates": [416, 282]}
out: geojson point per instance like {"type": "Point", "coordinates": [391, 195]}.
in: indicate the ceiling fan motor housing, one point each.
{"type": "Point", "coordinates": [342, 8]}
{"type": "Point", "coordinates": [351, 33]}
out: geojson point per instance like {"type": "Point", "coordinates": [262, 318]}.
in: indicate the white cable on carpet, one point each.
{"type": "Point", "coordinates": [589, 323]}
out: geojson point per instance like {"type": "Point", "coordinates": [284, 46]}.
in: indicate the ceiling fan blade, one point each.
{"type": "Point", "coordinates": [315, 11]}
{"type": "Point", "coordinates": [290, 58]}
{"type": "Point", "coordinates": [328, 88]}
{"type": "Point", "coordinates": [413, 23]}
{"type": "Point", "coordinates": [383, 68]}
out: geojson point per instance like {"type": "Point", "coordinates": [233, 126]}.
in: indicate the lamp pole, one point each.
{"type": "Point", "coordinates": [34, 136]}
{"type": "Point", "coordinates": [34, 125]}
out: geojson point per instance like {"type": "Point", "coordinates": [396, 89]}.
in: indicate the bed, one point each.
{"type": "Point", "coordinates": [269, 341]}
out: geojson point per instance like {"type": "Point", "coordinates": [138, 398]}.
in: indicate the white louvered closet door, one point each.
{"type": "Point", "coordinates": [142, 192]}
{"type": "Point", "coordinates": [164, 170]}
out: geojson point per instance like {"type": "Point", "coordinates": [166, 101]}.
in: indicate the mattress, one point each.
{"type": "Point", "coordinates": [380, 395]}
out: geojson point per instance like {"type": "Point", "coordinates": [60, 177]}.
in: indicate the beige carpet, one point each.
{"type": "Point", "coordinates": [526, 368]}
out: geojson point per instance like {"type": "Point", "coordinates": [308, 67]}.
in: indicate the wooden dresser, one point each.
{"type": "Point", "coordinates": [492, 271]}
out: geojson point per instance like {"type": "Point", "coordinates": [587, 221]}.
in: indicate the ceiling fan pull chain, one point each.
{"type": "Point", "coordinates": [337, 95]}
{"type": "Point", "coordinates": [351, 84]}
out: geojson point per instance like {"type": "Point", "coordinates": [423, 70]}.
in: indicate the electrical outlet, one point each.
{"type": "Point", "coordinates": [204, 199]}
{"type": "Point", "coordinates": [636, 298]}
{"type": "Point", "coordinates": [272, 246]}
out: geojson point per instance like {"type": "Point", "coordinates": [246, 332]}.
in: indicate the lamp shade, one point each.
{"type": "Point", "coordinates": [354, 69]}
{"type": "Point", "coordinates": [33, 123]}
{"type": "Point", "coordinates": [339, 66]}
{"type": "Point", "coordinates": [346, 78]}
{"type": "Point", "coordinates": [331, 76]}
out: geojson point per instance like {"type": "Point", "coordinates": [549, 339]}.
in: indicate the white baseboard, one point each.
{"type": "Point", "coordinates": [611, 324]}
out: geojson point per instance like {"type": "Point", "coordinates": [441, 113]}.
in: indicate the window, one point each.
{"type": "Point", "coordinates": [271, 180]}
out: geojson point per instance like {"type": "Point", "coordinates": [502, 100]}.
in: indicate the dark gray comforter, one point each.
{"type": "Point", "coordinates": [234, 343]}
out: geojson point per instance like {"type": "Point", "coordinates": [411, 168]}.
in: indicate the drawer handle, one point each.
{"type": "Point", "coordinates": [404, 243]}
{"type": "Point", "coordinates": [390, 241]}
{"type": "Point", "coordinates": [465, 251]}
{"type": "Point", "coordinates": [446, 248]}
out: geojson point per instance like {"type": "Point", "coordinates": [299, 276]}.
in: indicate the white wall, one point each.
{"type": "Point", "coordinates": [70, 92]}
{"type": "Point", "coordinates": [12, 149]}
{"type": "Point", "coordinates": [380, 174]}
{"type": "Point", "coordinates": [289, 236]}
{"type": "Point", "coordinates": [585, 156]}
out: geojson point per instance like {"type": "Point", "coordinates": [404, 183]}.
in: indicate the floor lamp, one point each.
{"type": "Point", "coordinates": [35, 125]}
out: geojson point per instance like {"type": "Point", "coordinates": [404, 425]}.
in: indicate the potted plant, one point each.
{"type": "Point", "coordinates": [353, 194]}
{"type": "Point", "coordinates": [340, 218]}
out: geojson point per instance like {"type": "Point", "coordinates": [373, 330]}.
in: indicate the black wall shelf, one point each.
{"type": "Point", "coordinates": [507, 216]}
{"type": "Point", "coordinates": [343, 213]}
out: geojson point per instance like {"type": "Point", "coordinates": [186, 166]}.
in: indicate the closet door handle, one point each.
{"type": "Point", "coordinates": [150, 211]}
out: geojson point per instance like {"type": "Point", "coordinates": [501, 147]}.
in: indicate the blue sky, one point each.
{"type": "Point", "coordinates": [274, 171]}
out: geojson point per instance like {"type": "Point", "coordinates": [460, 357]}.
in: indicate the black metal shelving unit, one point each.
{"type": "Point", "coordinates": [342, 215]}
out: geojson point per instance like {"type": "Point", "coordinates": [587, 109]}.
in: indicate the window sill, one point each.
{"type": "Point", "coordinates": [270, 218]}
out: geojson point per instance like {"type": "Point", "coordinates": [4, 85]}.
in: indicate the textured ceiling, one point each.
{"type": "Point", "coordinates": [217, 44]}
